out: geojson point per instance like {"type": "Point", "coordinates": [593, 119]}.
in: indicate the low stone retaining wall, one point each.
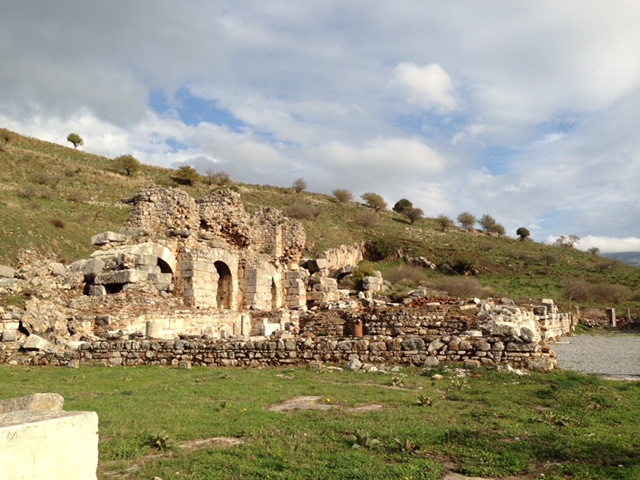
{"type": "Point", "coordinates": [295, 351]}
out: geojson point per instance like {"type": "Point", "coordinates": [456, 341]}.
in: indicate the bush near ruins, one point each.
{"type": "Point", "coordinates": [302, 212]}
{"type": "Point", "coordinates": [126, 165]}
{"type": "Point", "coordinates": [187, 175]}
{"type": "Point", "coordinates": [462, 287]}
{"type": "Point", "coordinates": [407, 276]}
{"type": "Point", "coordinates": [580, 290]}
{"type": "Point", "coordinates": [382, 248]}
{"type": "Point", "coordinates": [218, 178]}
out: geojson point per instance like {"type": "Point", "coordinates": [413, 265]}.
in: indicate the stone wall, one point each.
{"type": "Point", "coordinates": [414, 350]}
{"type": "Point", "coordinates": [601, 317]}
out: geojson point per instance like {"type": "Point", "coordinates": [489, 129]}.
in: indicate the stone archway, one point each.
{"type": "Point", "coordinates": [224, 291]}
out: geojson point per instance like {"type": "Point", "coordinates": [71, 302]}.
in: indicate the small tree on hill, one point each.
{"type": "Point", "coordinates": [374, 201]}
{"type": "Point", "coordinates": [75, 139]}
{"type": "Point", "coordinates": [187, 175]}
{"type": "Point", "coordinates": [490, 225]}
{"type": "Point", "coordinates": [444, 222]}
{"type": "Point", "coordinates": [300, 185]}
{"type": "Point", "coordinates": [466, 220]}
{"type": "Point", "coordinates": [5, 136]}
{"type": "Point", "coordinates": [566, 242]}
{"type": "Point", "coordinates": [342, 195]}
{"type": "Point", "coordinates": [127, 165]}
{"type": "Point", "coordinates": [218, 178]}
{"type": "Point", "coordinates": [523, 233]}
{"type": "Point", "coordinates": [594, 251]}
{"type": "Point", "coordinates": [413, 214]}
{"type": "Point", "coordinates": [402, 205]}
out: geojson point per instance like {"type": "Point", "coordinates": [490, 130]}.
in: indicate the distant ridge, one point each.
{"type": "Point", "coordinates": [630, 258]}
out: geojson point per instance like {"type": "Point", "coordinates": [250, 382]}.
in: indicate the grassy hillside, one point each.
{"type": "Point", "coordinates": [54, 198]}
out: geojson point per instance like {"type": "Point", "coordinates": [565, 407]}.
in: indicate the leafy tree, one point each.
{"type": "Point", "coordinates": [342, 195]}
{"type": "Point", "coordinates": [566, 242]}
{"type": "Point", "coordinates": [594, 251]}
{"type": "Point", "coordinates": [402, 205]}
{"type": "Point", "coordinates": [413, 214]}
{"type": "Point", "coordinates": [75, 139]}
{"type": "Point", "coordinates": [523, 233]}
{"type": "Point", "coordinates": [444, 222]}
{"type": "Point", "coordinates": [490, 225]}
{"type": "Point", "coordinates": [466, 220]}
{"type": "Point", "coordinates": [300, 185]}
{"type": "Point", "coordinates": [374, 201]}
{"type": "Point", "coordinates": [187, 175]}
{"type": "Point", "coordinates": [127, 165]}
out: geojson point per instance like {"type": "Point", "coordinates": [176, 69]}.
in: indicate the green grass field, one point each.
{"type": "Point", "coordinates": [559, 425]}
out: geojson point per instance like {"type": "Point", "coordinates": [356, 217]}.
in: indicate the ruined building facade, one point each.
{"type": "Point", "coordinates": [210, 252]}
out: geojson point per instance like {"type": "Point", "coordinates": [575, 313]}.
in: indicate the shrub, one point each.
{"type": "Point", "coordinates": [57, 222]}
{"type": "Point", "coordinates": [462, 287]}
{"type": "Point", "coordinates": [578, 290]}
{"type": "Point", "coordinates": [374, 201]}
{"type": "Point", "coordinates": [523, 233]}
{"type": "Point", "coordinates": [42, 178]}
{"type": "Point", "coordinates": [406, 275]}
{"type": "Point", "coordinates": [302, 212]}
{"type": "Point", "coordinates": [342, 195]}
{"type": "Point", "coordinates": [187, 175]}
{"type": "Point", "coordinates": [126, 165]}
{"type": "Point", "coordinates": [358, 274]}
{"type": "Point", "coordinates": [610, 293]}
{"type": "Point", "coordinates": [300, 185]}
{"type": "Point", "coordinates": [5, 136]}
{"type": "Point", "coordinates": [382, 248]}
{"type": "Point", "coordinates": [368, 218]}
{"type": "Point", "coordinates": [218, 178]}
{"type": "Point", "coordinates": [402, 205]}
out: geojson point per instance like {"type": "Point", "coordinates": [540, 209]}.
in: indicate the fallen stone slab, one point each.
{"type": "Point", "coordinates": [50, 402]}
{"type": "Point", "coordinates": [34, 342]}
{"type": "Point", "coordinates": [7, 272]}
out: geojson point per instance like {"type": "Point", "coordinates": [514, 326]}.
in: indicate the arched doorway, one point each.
{"type": "Point", "coordinates": [225, 285]}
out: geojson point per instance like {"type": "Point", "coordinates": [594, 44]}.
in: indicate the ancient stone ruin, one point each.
{"type": "Point", "coordinates": [206, 282]}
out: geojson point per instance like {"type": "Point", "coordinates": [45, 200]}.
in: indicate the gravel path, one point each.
{"type": "Point", "coordinates": [616, 355]}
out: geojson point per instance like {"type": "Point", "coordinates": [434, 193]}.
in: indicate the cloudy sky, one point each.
{"type": "Point", "coordinates": [527, 111]}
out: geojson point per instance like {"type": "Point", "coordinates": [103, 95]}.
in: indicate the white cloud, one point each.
{"type": "Point", "coordinates": [428, 86]}
{"type": "Point", "coordinates": [605, 244]}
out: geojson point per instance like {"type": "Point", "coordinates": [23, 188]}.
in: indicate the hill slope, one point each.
{"type": "Point", "coordinates": [54, 198]}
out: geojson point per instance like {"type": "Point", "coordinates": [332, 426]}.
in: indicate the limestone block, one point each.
{"type": "Point", "coordinates": [108, 237]}
{"type": "Point", "coordinates": [317, 264]}
{"type": "Point", "coordinates": [51, 445]}
{"type": "Point", "coordinates": [38, 401]}
{"type": "Point", "coordinates": [142, 259]}
{"type": "Point", "coordinates": [120, 277]}
{"type": "Point", "coordinates": [7, 272]}
{"type": "Point", "coordinates": [9, 335]}
{"type": "Point", "coordinates": [34, 342]}
{"type": "Point", "coordinates": [92, 267]}
{"type": "Point", "coordinates": [58, 269]}
{"type": "Point", "coordinates": [5, 282]}
{"type": "Point", "coordinates": [96, 290]}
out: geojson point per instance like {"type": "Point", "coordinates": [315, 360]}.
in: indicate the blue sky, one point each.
{"type": "Point", "coordinates": [527, 111]}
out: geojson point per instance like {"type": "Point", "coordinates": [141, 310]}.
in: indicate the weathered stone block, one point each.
{"type": "Point", "coordinates": [9, 335]}
{"type": "Point", "coordinates": [120, 277]}
{"type": "Point", "coordinates": [37, 445]}
{"type": "Point", "coordinates": [34, 342]}
{"type": "Point", "coordinates": [51, 402]}
{"type": "Point", "coordinates": [108, 237]}
{"type": "Point", "coordinates": [7, 272]}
